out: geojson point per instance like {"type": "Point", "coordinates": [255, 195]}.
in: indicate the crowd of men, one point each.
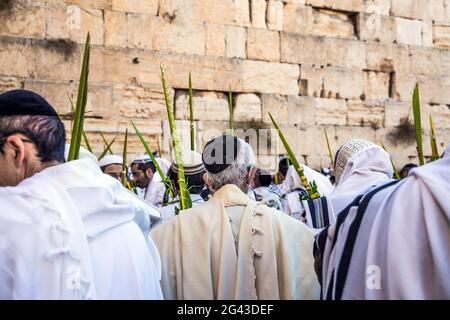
{"type": "Point", "coordinates": [71, 230]}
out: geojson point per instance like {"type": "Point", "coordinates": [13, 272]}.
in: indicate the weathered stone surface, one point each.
{"type": "Point", "coordinates": [289, 110]}
{"type": "Point", "coordinates": [81, 21]}
{"type": "Point", "coordinates": [347, 5]}
{"type": "Point", "coordinates": [376, 85]}
{"type": "Point", "coordinates": [306, 20]}
{"type": "Point", "coordinates": [345, 134]}
{"type": "Point", "coordinates": [234, 12]}
{"type": "Point", "coordinates": [427, 34]}
{"type": "Point", "coordinates": [115, 28]}
{"type": "Point", "coordinates": [235, 38]}
{"type": "Point", "coordinates": [377, 6]}
{"type": "Point", "coordinates": [171, 37]}
{"type": "Point", "coordinates": [409, 31]}
{"type": "Point", "coordinates": [266, 77]}
{"type": "Point", "coordinates": [143, 101]}
{"type": "Point", "coordinates": [9, 83]}
{"type": "Point", "coordinates": [333, 52]}
{"type": "Point", "coordinates": [263, 45]}
{"type": "Point", "coordinates": [28, 20]}
{"type": "Point", "coordinates": [331, 111]}
{"type": "Point", "coordinates": [432, 89]}
{"type": "Point", "coordinates": [376, 27]}
{"type": "Point", "coordinates": [419, 9]}
{"type": "Point", "coordinates": [275, 16]}
{"type": "Point", "coordinates": [16, 57]}
{"type": "Point", "coordinates": [441, 116]}
{"type": "Point", "coordinates": [258, 13]}
{"type": "Point", "coordinates": [334, 83]}
{"type": "Point", "coordinates": [247, 107]}
{"type": "Point", "coordinates": [428, 61]}
{"type": "Point", "coordinates": [365, 113]}
{"type": "Point", "coordinates": [215, 40]}
{"type": "Point", "coordinates": [441, 35]}
{"type": "Point", "coordinates": [206, 106]}
{"type": "Point", "coordinates": [388, 57]}
{"type": "Point", "coordinates": [137, 6]}
{"type": "Point", "coordinates": [94, 4]}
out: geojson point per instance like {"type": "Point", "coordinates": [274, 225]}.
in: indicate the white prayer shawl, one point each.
{"type": "Point", "coordinates": [363, 171]}
{"type": "Point", "coordinates": [200, 260]}
{"type": "Point", "coordinates": [154, 193]}
{"type": "Point", "coordinates": [401, 249]}
{"type": "Point", "coordinates": [44, 251]}
{"type": "Point", "coordinates": [293, 181]}
{"type": "Point", "coordinates": [125, 264]}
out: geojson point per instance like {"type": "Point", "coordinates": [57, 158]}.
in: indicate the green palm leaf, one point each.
{"type": "Point", "coordinates": [191, 114]}
{"type": "Point", "coordinates": [107, 147]}
{"type": "Point", "coordinates": [310, 187]}
{"type": "Point", "coordinates": [124, 162]}
{"type": "Point", "coordinates": [328, 147]}
{"type": "Point", "coordinates": [418, 123]}
{"type": "Point", "coordinates": [80, 109]}
{"type": "Point", "coordinates": [434, 149]}
{"type": "Point", "coordinates": [184, 195]}
{"type": "Point", "coordinates": [230, 107]}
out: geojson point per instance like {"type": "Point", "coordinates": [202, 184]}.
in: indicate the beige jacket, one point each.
{"type": "Point", "coordinates": [199, 259]}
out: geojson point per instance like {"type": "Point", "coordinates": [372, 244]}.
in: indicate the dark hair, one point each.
{"type": "Point", "coordinates": [46, 132]}
{"type": "Point", "coordinates": [263, 178]}
{"type": "Point", "coordinates": [283, 166]}
{"type": "Point", "coordinates": [148, 165]}
{"type": "Point", "coordinates": [195, 182]}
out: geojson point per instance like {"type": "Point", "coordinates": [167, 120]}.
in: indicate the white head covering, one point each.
{"type": "Point", "coordinates": [248, 154]}
{"type": "Point", "coordinates": [360, 165]}
{"type": "Point", "coordinates": [110, 159]}
{"type": "Point", "coordinates": [446, 153]}
{"type": "Point", "coordinates": [293, 181]}
{"type": "Point", "coordinates": [192, 162]}
{"type": "Point", "coordinates": [83, 154]}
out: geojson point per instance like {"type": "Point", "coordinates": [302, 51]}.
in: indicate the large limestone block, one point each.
{"type": "Point", "coordinates": [263, 45]}
{"type": "Point", "coordinates": [409, 31]}
{"type": "Point", "coordinates": [330, 82]}
{"type": "Point", "coordinates": [433, 89]}
{"type": "Point", "coordinates": [375, 27]}
{"type": "Point", "coordinates": [136, 6]}
{"type": "Point", "coordinates": [9, 83]}
{"type": "Point", "coordinates": [429, 61]}
{"type": "Point", "coordinates": [215, 40]}
{"type": "Point", "coordinates": [264, 77]}
{"type": "Point", "coordinates": [207, 106]}
{"type": "Point", "coordinates": [331, 112]}
{"type": "Point", "coordinates": [27, 20]}
{"type": "Point", "coordinates": [141, 101]}
{"type": "Point", "coordinates": [307, 20]}
{"type": "Point", "coordinates": [322, 51]}
{"type": "Point", "coordinates": [275, 15]}
{"type": "Point", "coordinates": [247, 107]}
{"type": "Point", "coordinates": [81, 21]}
{"type": "Point", "coordinates": [291, 109]}
{"type": "Point", "coordinates": [235, 39]}
{"type": "Point", "coordinates": [347, 5]}
{"type": "Point", "coordinates": [115, 28]}
{"type": "Point", "coordinates": [16, 57]}
{"type": "Point", "coordinates": [388, 57]}
{"type": "Point", "coordinates": [229, 12]}
{"type": "Point", "coordinates": [258, 13]}
{"type": "Point", "coordinates": [376, 85]}
{"type": "Point", "coordinates": [419, 9]}
{"type": "Point", "coordinates": [365, 113]}
{"type": "Point", "coordinates": [441, 35]}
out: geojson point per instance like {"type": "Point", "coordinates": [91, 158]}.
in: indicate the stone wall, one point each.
{"type": "Point", "coordinates": [345, 65]}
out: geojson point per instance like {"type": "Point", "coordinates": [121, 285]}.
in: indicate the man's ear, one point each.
{"type": "Point", "coordinates": [18, 148]}
{"type": "Point", "coordinates": [251, 175]}
{"type": "Point", "coordinates": [149, 173]}
{"type": "Point", "coordinates": [206, 180]}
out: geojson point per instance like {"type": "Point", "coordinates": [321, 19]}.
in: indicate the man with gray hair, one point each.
{"type": "Point", "coordinates": [232, 247]}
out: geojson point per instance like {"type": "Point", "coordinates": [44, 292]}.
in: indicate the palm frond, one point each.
{"type": "Point", "coordinates": [310, 187]}
{"type": "Point", "coordinates": [434, 149]}
{"type": "Point", "coordinates": [418, 123]}
{"type": "Point", "coordinates": [107, 147]}
{"type": "Point", "coordinates": [330, 154]}
{"type": "Point", "coordinates": [396, 174]}
{"type": "Point", "coordinates": [230, 107]}
{"type": "Point", "coordinates": [184, 195]}
{"type": "Point", "coordinates": [124, 162]}
{"type": "Point", "coordinates": [191, 114]}
{"type": "Point", "coordinates": [77, 129]}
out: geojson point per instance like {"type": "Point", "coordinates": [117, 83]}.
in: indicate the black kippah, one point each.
{"type": "Point", "coordinates": [220, 152]}
{"type": "Point", "coordinates": [24, 102]}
